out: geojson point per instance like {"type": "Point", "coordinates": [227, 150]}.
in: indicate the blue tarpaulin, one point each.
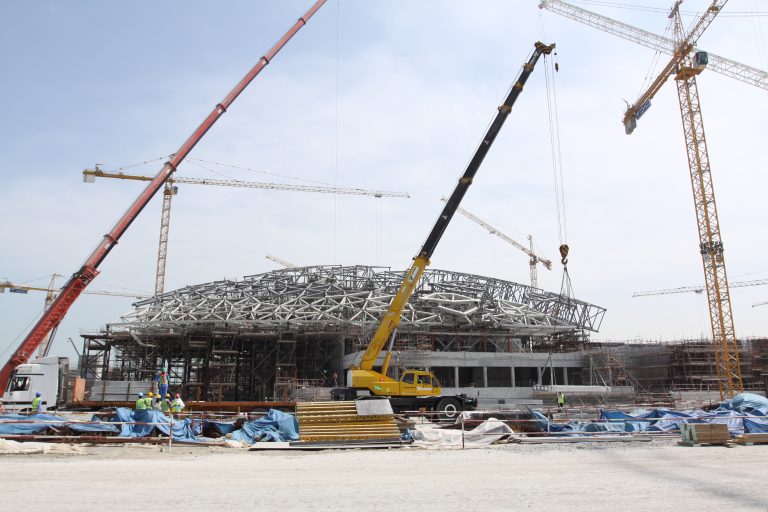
{"type": "Point", "coordinates": [748, 403]}
{"type": "Point", "coordinates": [45, 421]}
{"type": "Point", "coordinates": [220, 427]}
{"type": "Point", "coordinates": [135, 424]}
{"type": "Point", "coordinates": [275, 426]}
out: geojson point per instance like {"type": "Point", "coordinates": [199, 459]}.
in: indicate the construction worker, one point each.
{"type": "Point", "coordinates": [148, 401]}
{"type": "Point", "coordinates": [178, 404]}
{"type": "Point", "coordinates": [37, 402]}
{"type": "Point", "coordinates": [140, 401]}
{"type": "Point", "coordinates": [163, 383]}
{"type": "Point", "coordinates": [560, 400]}
{"type": "Point", "coordinates": [165, 404]}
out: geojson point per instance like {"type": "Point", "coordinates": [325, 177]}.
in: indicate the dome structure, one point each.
{"type": "Point", "coordinates": [334, 297]}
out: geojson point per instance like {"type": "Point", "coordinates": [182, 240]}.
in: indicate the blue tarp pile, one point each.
{"type": "Point", "coordinates": [48, 422]}
{"type": "Point", "coordinates": [134, 424]}
{"type": "Point", "coordinates": [745, 413]}
{"type": "Point", "coordinates": [275, 426]}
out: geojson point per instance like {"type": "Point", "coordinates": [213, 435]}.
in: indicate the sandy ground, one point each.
{"type": "Point", "coordinates": [616, 477]}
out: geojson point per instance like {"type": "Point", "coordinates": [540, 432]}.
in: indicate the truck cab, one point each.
{"type": "Point", "coordinates": [46, 375]}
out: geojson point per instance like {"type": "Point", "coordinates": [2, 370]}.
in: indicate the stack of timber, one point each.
{"type": "Point", "coordinates": [695, 434]}
{"type": "Point", "coordinates": [361, 420]}
{"type": "Point", "coordinates": [750, 439]}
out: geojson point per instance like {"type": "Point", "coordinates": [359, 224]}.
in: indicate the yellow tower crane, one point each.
{"type": "Point", "coordinates": [90, 175]}
{"type": "Point", "coordinates": [684, 66]}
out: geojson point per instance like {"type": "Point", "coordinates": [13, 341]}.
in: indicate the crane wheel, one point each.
{"type": "Point", "coordinates": [448, 408]}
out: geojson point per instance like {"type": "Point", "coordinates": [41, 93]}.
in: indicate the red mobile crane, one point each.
{"type": "Point", "coordinates": [80, 279]}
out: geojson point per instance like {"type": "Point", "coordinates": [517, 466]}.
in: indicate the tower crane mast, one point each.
{"type": "Point", "coordinates": [684, 67]}
{"type": "Point", "coordinates": [89, 270]}
{"type": "Point", "coordinates": [534, 259]}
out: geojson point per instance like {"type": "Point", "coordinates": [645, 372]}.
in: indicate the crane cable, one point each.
{"type": "Point", "coordinates": [557, 172]}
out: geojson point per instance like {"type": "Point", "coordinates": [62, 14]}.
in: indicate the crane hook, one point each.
{"type": "Point", "coordinates": [564, 254]}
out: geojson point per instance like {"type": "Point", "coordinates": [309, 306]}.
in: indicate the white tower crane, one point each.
{"type": "Point", "coordinates": [279, 261]}
{"type": "Point", "coordinates": [90, 175]}
{"type": "Point", "coordinates": [700, 288]}
{"type": "Point", "coordinates": [534, 258]}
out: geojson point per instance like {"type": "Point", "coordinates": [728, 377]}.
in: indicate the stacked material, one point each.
{"type": "Point", "coordinates": [357, 420]}
{"type": "Point", "coordinates": [704, 433]}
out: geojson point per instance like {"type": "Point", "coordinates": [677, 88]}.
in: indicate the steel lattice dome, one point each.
{"type": "Point", "coordinates": [319, 297]}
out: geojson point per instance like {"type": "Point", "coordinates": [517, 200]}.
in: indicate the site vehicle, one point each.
{"type": "Point", "coordinates": [59, 390]}
{"type": "Point", "coordinates": [418, 389]}
{"type": "Point", "coordinates": [45, 375]}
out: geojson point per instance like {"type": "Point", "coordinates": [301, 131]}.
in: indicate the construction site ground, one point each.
{"type": "Point", "coordinates": [575, 477]}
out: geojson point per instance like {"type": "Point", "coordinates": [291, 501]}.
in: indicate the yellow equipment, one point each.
{"type": "Point", "coordinates": [420, 388]}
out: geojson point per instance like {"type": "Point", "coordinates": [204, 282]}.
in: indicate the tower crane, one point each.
{"type": "Point", "coordinates": [684, 66]}
{"type": "Point", "coordinates": [50, 295]}
{"type": "Point", "coordinates": [279, 261]}
{"type": "Point", "coordinates": [90, 175]}
{"type": "Point", "coordinates": [534, 259]}
{"type": "Point", "coordinates": [83, 276]}
{"type": "Point", "coordinates": [700, 288]}
{"type": "Point", "coordinates": [716, 63]}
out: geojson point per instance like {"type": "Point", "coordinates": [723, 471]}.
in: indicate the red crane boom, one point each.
{"type": "Point", "coordinates": [80, 279]}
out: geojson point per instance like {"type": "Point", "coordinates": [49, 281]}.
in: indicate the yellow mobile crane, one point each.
{"type": "Point", "coordinates": [420, 388]}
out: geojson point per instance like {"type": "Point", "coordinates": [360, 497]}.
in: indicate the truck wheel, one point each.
{"type": "Point", "coordinates": [449, 408]}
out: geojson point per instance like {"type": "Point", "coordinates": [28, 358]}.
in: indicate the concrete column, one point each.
{"type": "Point", "coordinates": [485, 376]}
{"type": "Point", "coordinates": [456, 375]}
{"type": "Point", "coordinates": [565, 375]}
{"type": "Point", "coordinates": [512, 369]}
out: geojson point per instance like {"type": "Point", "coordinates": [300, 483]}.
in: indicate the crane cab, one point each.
{"type": "Point", "coordinates": [699, 61]}
{"type": "Point", "coordinates": [412, 383]}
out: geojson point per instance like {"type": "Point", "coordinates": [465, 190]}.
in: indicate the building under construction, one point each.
{"type": "Point", "coordinates": [268, 335]}
{"type": "Point", "coordinates": [256, 338]}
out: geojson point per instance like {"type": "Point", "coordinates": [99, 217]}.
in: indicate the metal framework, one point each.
{"type": "Point", "coordinates": [699, 288]}
{"type": "Point", "coordinates": [718, 64]}
{"type": "Point", "coordinates": [319, 298]}
{"type": "Point", "coordinates": [256, 338]}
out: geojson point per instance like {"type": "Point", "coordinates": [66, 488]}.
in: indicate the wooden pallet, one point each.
{"type": "Point", "coordinates": [344, 421]}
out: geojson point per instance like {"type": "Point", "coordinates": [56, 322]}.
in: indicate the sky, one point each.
{"type": "Point", "coordinates": [380, 94]}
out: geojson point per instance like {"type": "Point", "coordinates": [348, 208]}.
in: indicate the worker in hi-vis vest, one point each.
{"type": "Point", "coordinates": [560, 400]}
{"type": "Point", "coordinates": [37, 402]}
{"type": "Point", "coordinates": [140, 401]}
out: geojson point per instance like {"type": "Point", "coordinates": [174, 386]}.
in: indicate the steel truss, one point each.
{"type": "Point", "coordinates": [323, 298]}
{"type": "Point", "coordinates": [256, 338]}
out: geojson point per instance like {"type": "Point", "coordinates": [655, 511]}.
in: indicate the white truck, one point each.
{"type": "Point", "coordinates": [46, 375]}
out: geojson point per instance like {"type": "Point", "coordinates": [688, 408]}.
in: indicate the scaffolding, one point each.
{"type": "Point", "coordinates": [661, 367]}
